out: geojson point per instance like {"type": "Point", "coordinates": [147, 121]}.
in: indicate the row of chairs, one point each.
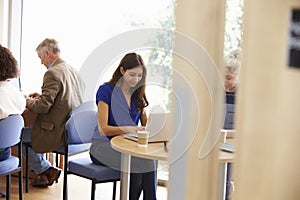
{"type": "Point", "coordinates": [80, 129]}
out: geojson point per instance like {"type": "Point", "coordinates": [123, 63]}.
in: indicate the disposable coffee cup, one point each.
{"type": "Point", "coordinates": [143, 137]}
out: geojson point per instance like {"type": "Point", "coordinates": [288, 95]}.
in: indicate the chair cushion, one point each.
{"type": "Point", "coordinates": [9, 165]}
{"type": "Point", "coordinates": [85, 167]}
{"type": "Point", "coordinates": [74, 149]}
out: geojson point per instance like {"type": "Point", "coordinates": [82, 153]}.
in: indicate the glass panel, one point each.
{"type": "Point", "coordinates": [233, 25]}
{"type": "Point", "coordinates": [82, 26]}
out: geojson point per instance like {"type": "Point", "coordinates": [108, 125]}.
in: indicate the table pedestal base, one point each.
{"type": "Point", "coordinates": [125, 176]}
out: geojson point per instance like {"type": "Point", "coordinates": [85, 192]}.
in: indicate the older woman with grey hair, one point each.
{"type": "Point", "coordinates": [232, 64]}
{"type": "Point", "coordinates": [232, 70]}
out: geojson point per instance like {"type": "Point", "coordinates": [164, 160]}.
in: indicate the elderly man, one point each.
{"type": "Point", "coordinates": [62, 90]}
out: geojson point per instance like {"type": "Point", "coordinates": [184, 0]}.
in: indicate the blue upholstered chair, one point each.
{"type": "Point", "coordinates": [75, 149]}
{"type": "Point", "coordinates": [10, 135]}
{"type": "Point", "coordinates": [72, 149]}
{"type": "Point", "coordinates": [80, 129]}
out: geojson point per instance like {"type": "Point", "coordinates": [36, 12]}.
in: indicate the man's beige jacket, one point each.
{"type": "Point", "coordinates": [62, 90]}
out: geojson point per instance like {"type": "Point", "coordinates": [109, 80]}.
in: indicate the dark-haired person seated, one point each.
{"type": "Point", "coordinates": [121, 103]}
{"type": "Point", "coordinates": [12, 101]}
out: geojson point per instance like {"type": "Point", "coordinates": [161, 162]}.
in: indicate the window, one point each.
{"type": "Point", "coordinates": [82, 26]}
{"type": "Point", "coordinates": [233, 25]}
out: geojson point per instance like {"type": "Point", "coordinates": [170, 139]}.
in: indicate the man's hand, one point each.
{"type": "Point", "coordinates": [34, 95]}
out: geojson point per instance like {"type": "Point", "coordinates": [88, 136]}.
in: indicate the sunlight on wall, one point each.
{"type": "Point", "coordinates": [79, 27]}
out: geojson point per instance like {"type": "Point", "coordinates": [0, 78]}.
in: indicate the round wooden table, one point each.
{"type": "Point", "coordinates": [128, 148]}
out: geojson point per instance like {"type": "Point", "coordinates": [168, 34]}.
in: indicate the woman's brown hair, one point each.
{"type": "Point", "coordinates": [8, 64]}
{"type": "Point", "coordinates": [130, 61]}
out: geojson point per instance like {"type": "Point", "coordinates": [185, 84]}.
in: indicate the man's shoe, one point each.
{"type": "Point", "coordinates": [40, 180]}
{"type": "Point", "coordinates": [53, 174]}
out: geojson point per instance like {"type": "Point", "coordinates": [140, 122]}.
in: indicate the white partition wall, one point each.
{"type": "Point", "coordinates": [268, 161]}
{"type": "Point", "coordinates": [198, 55]}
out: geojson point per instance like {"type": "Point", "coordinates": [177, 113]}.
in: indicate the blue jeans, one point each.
{"type": "Point", "coordinates": [37, 161]}
{"type": "Point", "coordinates": [4, 153]}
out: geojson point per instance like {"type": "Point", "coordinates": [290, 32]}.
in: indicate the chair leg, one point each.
{"type": "Point", "coordinates": [114, 190]}
{"type": "Point", "coordinates": [8, 182]}
{"type": "Point", "coordinates": [93, 190]}
{"type": "Point", "coordinates": [56, 163]}
{"type": "Point", "coordinates": [56, 160]}
{"type": "Point", "coordinates": [20, 185]}
{"type": "Point", "coordinates": [65, 186]}
{"type": "Point", "coordinates": [26, 170]}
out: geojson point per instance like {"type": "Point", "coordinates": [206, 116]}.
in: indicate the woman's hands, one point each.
{"type": "Point", "coordinates": [132, 129]}
{"type": "Point", "coordinates": [107, 130]}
